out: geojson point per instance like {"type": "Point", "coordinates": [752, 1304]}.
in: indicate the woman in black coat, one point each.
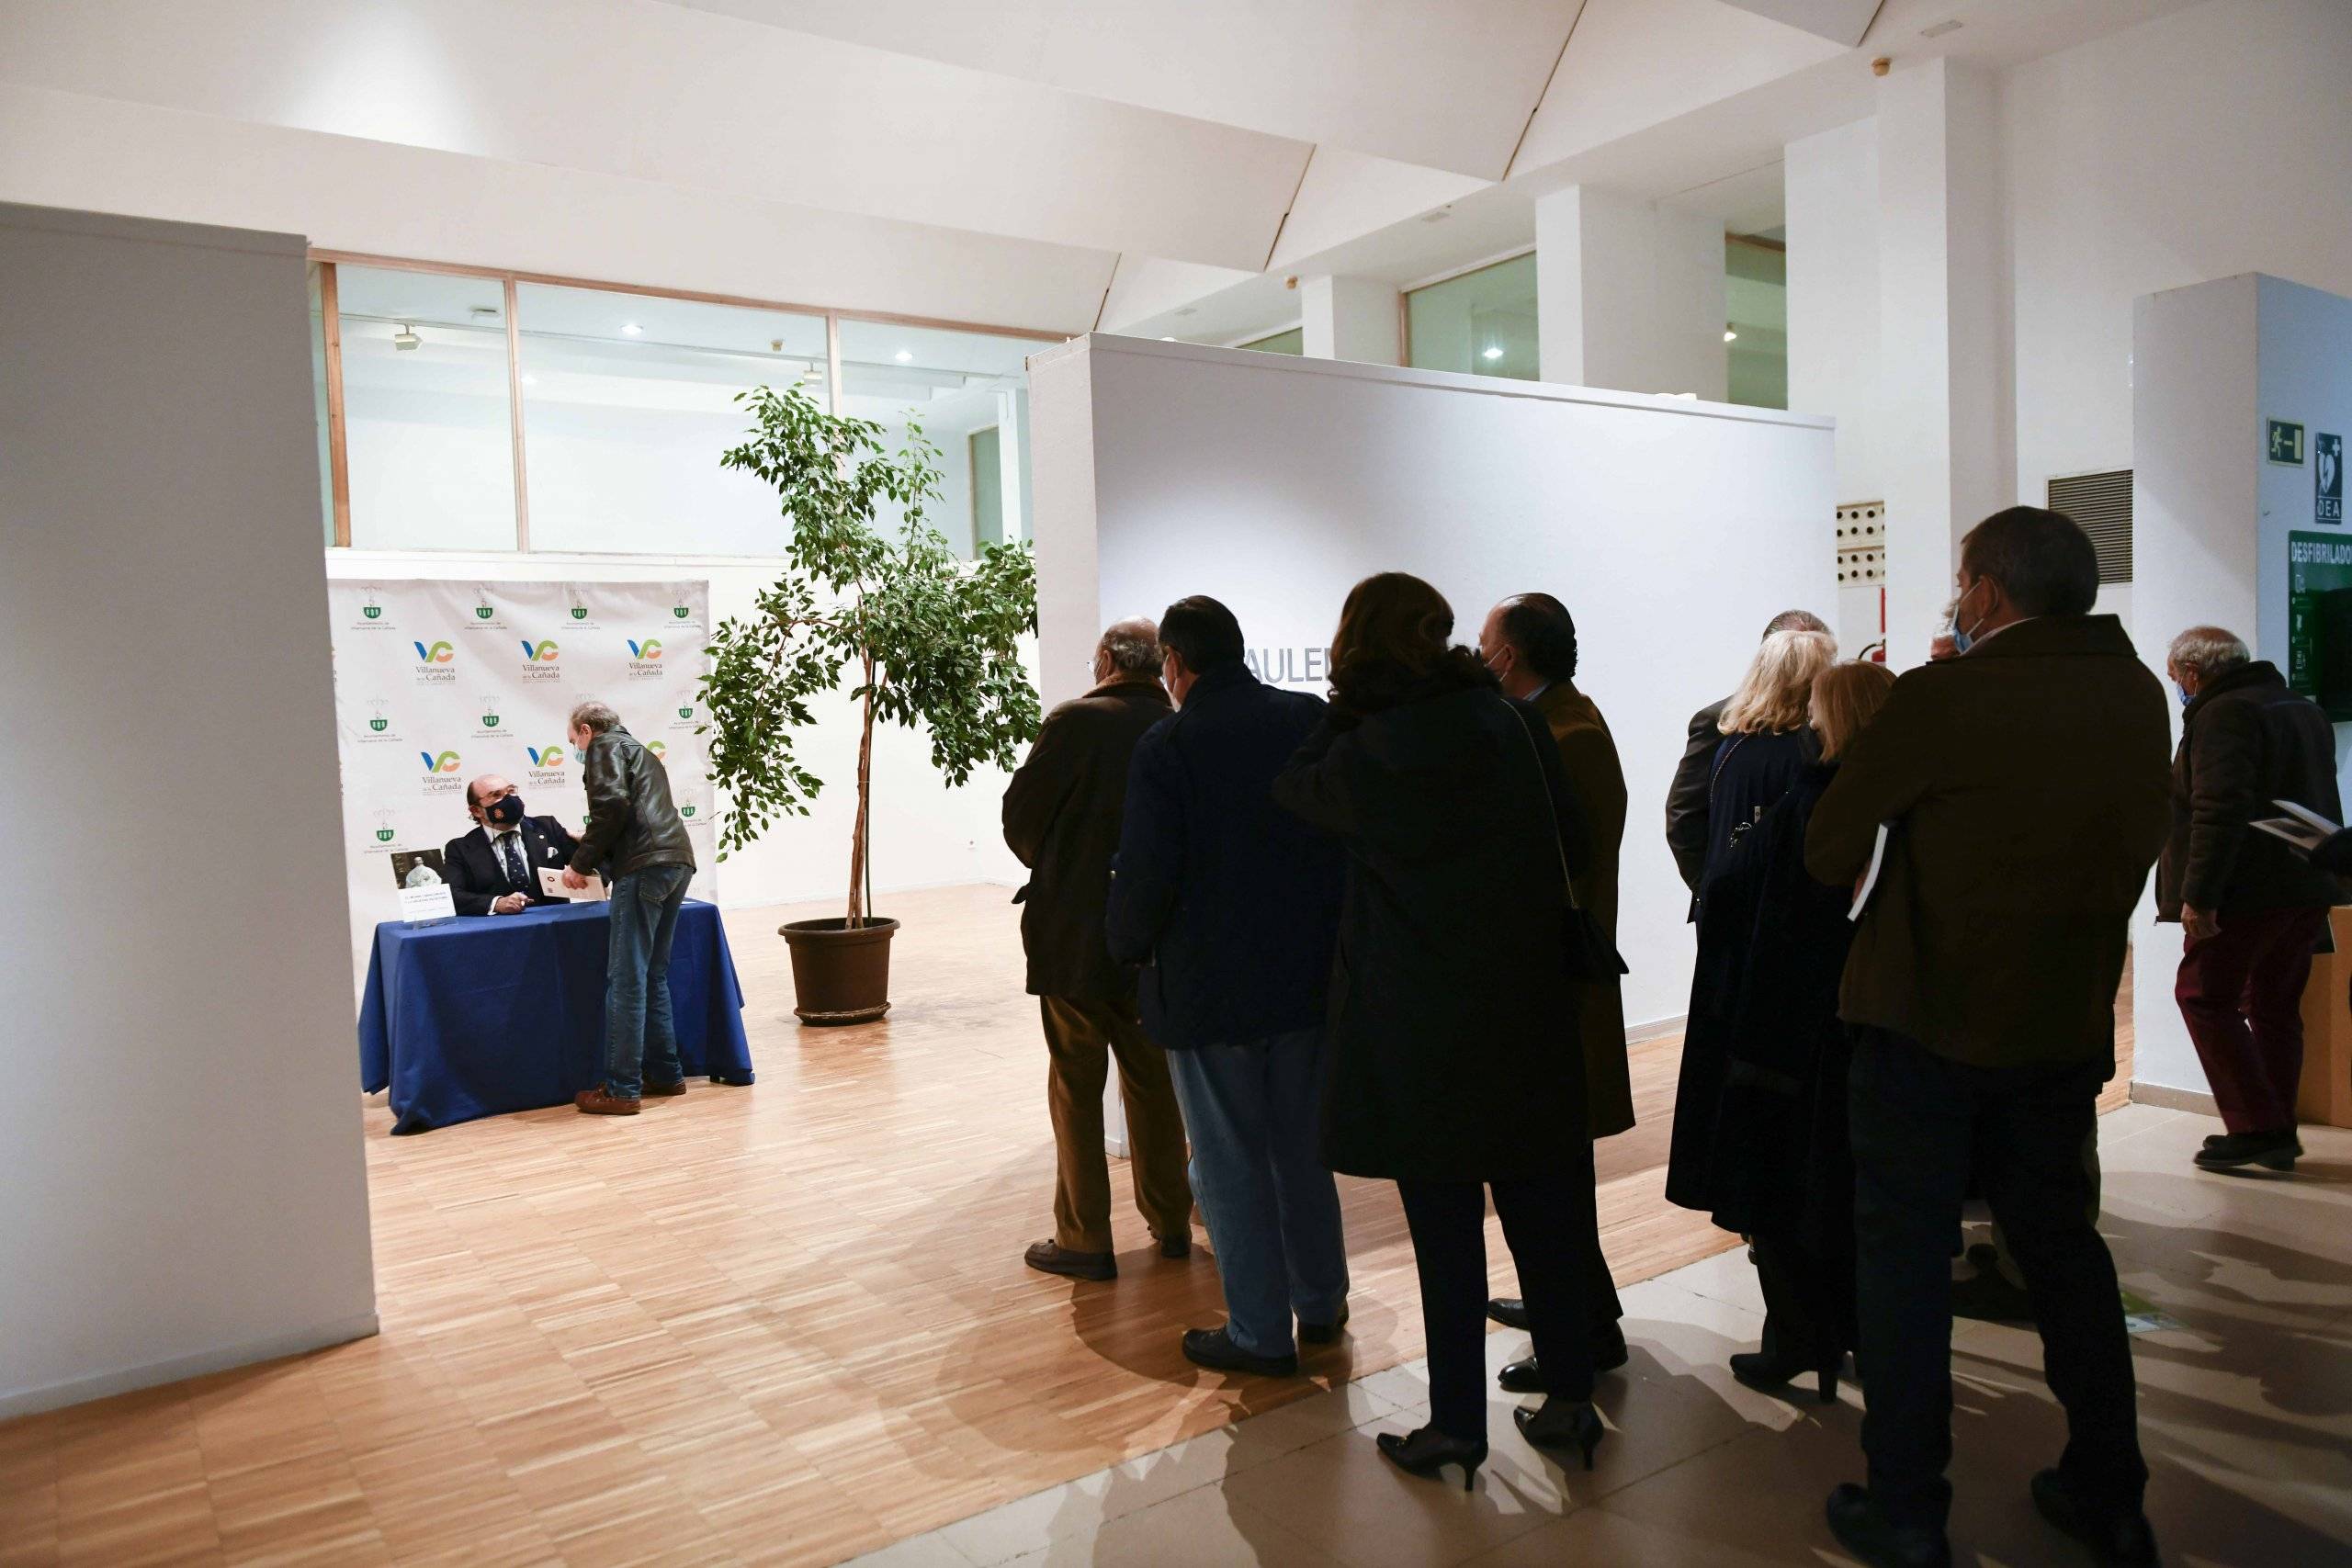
{"type": "Point", "coordinates": [1779, 1169]}
{"type": "Point", "coordinates": [1454, 1062]}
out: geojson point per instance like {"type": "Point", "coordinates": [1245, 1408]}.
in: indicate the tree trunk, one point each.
{"type": "Point", "coordinates": [857, 846]}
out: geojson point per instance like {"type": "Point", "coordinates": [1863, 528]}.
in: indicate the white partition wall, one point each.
{"type": "Point", "coordinates": [180, 1149]}
{"type": "Point", "coordinates": [1673, 530]}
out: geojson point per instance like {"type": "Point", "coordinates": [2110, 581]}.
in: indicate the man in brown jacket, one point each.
{"type": "Point", "coordinates": [2027, 791]}
{"type": "Point", "coordinates": [1530, 642]}
{"type": "Point", "coordinates": [1061, 816]}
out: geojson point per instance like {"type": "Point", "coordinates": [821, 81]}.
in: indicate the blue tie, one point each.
{"type": "Point", "coordinates": [513, 861]}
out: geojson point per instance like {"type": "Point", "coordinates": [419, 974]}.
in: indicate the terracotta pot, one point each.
{"type": "Point", "coordinates": [839, 976]}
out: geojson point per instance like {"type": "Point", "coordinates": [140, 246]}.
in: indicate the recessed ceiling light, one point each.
{"type": "Point", "coordinates": [406, 338]}
{"type": "Point", "coordinates": [904, 356]}
{"type": "Point", "coordinates": [630, 329]}
{"type": "Point", "coordinates": [1730, 336]}
{"type": "Point", "coordinates": [1493, 351]}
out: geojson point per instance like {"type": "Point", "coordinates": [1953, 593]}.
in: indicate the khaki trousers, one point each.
{"type": "Point", "coordinates": [1080, 1040]}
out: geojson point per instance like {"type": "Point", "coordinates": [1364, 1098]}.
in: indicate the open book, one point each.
{"type": "Point", "coordinates": [1869, 884]}
{"type": "Point", "coordinates": [2304, 830]}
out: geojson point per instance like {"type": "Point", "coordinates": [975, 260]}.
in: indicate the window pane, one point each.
{"type": "Point", "coordinates": [988, 487]}
{"type": "Point", "coordinates": [952, 384]}
{"type": "Point", "coordinates": [1483, 323]}
{"type": "Point", "coordinates": [427, 432]}
{"type": "Point", "coordinates": [1756, 301]}
{"type": "Point", "coordinates": [627, 402]}
{"type": "Point", "coordinates": [1291, 342]}
{"type": "Point", "coordinates": [319, 397]}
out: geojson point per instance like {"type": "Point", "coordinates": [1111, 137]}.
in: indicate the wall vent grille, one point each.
{"type": "Point", "coordinates": [1861, 544]}
{"type": "Point", "coordinates": [2101, 502]}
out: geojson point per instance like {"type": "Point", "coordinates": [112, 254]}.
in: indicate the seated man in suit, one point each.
{"type": "Point", "coordinates": [494, 870]}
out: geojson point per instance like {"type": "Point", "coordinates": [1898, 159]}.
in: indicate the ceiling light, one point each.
{"type": "Point", "coordinates": [1730, 336]}
{"type": "Point", "coordinates": [630, 329]}
{"type": "Point", "coordinates": [1493, 351]}
{"type": "Point", "coordinates": [1168, 340]}
{"type": "Point", "coordinates": [904, 356]}
{"type": "Point", "coordinates": [406, 338]}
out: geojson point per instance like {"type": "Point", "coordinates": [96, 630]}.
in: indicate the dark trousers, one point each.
{"type": "Point", "coordinates": [2241, 994]}
{"type": "Point", "coordinates": [1546, 1223]}
{"type": "Point", "coordinates": [1808, 1302]}
{"type": "Point", "coordinates": [1083, 1038]}
{"type": "Point", "coordinates": [1920, 1124]}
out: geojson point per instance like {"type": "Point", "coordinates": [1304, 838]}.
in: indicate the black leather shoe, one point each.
{"type": "Point", "coordinates": [1762, 1369]}
{"type": "Point", "coordinates": [1177, 1246]}
{"type": "Point", "coordinates": [1562, 1424]}
{"type": "Point", "coordinates": [1523, 1377]}
{"type": "Point", "coordinates": [2119, 1537]}
{"type": "Point", "coordinates": [1509, 1311]}
{"type": "Point", "coordinates": [2273, 1151]}
{"type": "Point", "coordinates": [1322, 1333]}
{"type": "Point", "coordinates": [1426, 1451]}
{"type": "Point", "coordinates": [1861, 1530]}
{"type": "Point", "coordinates": [1214, 1348]}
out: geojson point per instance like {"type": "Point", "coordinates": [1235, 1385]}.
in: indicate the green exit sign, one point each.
{"type": "Point", "coordinates": [2286, 443]}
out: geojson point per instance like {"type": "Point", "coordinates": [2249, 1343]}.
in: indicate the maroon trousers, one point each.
{"type": "Point", "coordinates": [2241, 995]}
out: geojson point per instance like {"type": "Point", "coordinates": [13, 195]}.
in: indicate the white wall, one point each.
{"type": "Point", "coordinates": [925, 834]}
{"type": "Point", "coordinates": [1631, 294]}
{"type": "Point", "coordinates": [182, 1157]}
{"type": "Point", "coordinates": [1275, 483]}
{"type": "Point", "coordinates": [1831, 185]}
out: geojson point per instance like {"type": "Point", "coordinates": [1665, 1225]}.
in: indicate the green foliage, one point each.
{"type": "Point", "coordinates": [941, 636]}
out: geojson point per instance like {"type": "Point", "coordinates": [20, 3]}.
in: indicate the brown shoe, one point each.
{"type": "Point", "coordinates": [663, 1090]}
{"type": "Point", "coordinates": [1175, 1245]}
{"type": "Point", "coordinates": [596, 1103]}
{"type": "Point", "coordinates": [1052, 1257]}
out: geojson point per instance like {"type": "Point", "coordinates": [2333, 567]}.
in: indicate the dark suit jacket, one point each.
{"type": "Point", "coordinates": [2245, 741]}
{"type": "Point", "coordinates": [1449, 993]}
{"type": "Point", "coordinates": [1589, 758]}
{"type": "Point", "coordinates": [1230, 902]}
{"type": "Point", "coordinates": [1686, 799]}
{"type": "Point", "coordinates": [2029, 788]}
{"type": "Point", "coordinates": [1061, 817]}
{"type": "Point", "coordinates": [477, 876]}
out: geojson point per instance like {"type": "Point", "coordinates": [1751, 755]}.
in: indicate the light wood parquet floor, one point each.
{"type": "Point", "coordinates": [782, 1323]}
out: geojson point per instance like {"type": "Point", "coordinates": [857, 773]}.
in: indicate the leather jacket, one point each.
{"type": "Point", "coordinates": [632, 823]}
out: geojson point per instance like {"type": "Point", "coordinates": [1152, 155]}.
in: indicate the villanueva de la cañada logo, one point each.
{"type": "Point", "coordinates": [680, 610]}
{"type": "Point", "coordinates": [384, 833]}
{"type": "Point", "coordinates": [436, 662]}
{"type": "Point", "coordinates": [371, 615]}
{"type": "Point", "coordinates": [578, 607]}
{"type": "Point", "coordinates": [644, 659]}
{"type": "Point", "coordinates": [440, 770]}
{"type": "Point", "coordinates": [547, 764]}
{"type": "Point", "coordinates": [540, 657]}
{"type": "Point", "coordinates": [661, 753]}
{"type": "Point", "coordinates": [379, 724]}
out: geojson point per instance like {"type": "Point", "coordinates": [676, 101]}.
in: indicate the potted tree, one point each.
{"type": "Point", "coordinates": [933, 641]}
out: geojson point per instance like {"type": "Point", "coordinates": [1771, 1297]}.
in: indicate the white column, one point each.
{"type": "Point", "coordinates": [1348, 318]}
{"type": "Point", "coordinates": [1940, 434]}
{"type": "Point", "coordinates": [1630, 294]}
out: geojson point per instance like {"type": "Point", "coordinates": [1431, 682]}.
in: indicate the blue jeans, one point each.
{"type": "Point", "coordinates": [638, 1032]}
{"type": "Point", "coordinates": [1253, 1111]}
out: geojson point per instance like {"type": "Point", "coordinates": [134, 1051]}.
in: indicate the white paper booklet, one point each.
{"type": "Point", "coordinates": [551, 884]}
{"type": "Point", "coordinates": [1869, 884]}
{"type": "Point", "coordinates": [2303, 827]}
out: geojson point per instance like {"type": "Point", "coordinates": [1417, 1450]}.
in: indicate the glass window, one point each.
{"type": "Point", "coordinates": [952, 385]}
{"type": "Point", "coordinates": [427, 431]}
{"type": "Point", "coordinates": [1291, 342]}
{"type": "Point", "coordinates": [1482, 322]}
{"type": "Point", "coordinates": [988, 487]}
{"type": "Point", "coordinates": [1756, 301]}
{"type": "Point", "coordinates": [628, 400]}
{"type": "Point", "coordinates": [319, 397]}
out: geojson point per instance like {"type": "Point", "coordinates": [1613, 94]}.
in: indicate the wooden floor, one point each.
{"type": "Point", "coordinates": [781, 1324]}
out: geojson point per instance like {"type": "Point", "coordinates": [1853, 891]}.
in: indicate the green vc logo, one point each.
{"type": "Point", "coordinates": [644, 653]}
{"type": "Point", "coordinates": [438, 653]}
{"type": "Point", "coordinates": [546, 756]}
{"type": "Point", "coordinates": [538, 652]}
{"type": "Point", "coordinates": [445, 763]}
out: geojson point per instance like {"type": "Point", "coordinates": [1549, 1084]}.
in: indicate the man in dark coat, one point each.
{"type": "Point", "coordinates": [1061, 817]}
{"type": "Point", "coordinates": [1530, 642]}
{"type": "Point", "coordinates": [2252, 908]}
{"type": "Point", "coordinates": [2025, 789]}
{"type": "Point", "coordinates": [1686, 798]}
{"type": "Point", "coordinates": [1233, 906]}
{"type": "Point", "coordinates": [494, 870]}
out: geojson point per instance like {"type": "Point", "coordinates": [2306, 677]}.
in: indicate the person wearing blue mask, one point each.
{"type": "Point", "coordinates": [494, 870]}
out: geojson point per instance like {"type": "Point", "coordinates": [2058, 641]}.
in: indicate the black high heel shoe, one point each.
{"type": "Point", "coordinates": [1426, 1451]}
{"type": "Point", "coordinates": [1560, 1424]}
{"type": "Point", "coordinates": [1762, 1369]}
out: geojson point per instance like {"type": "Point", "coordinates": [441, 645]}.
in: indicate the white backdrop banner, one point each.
{"type": "Point", "coordinates": [437, 683]}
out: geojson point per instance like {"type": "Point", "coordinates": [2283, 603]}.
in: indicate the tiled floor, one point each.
{"type": "Point", "coordinates": [2246, 1414]}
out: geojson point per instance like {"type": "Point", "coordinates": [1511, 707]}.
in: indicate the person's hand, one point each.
{"type": "Point", "coordinates": [2201, 925]}
{"type": "Point", "coordinates": [573, 880]}
{"type": "Point", "coordinates": [1943, 647]}
{"type": "Point", "coordinates": [509, 904]}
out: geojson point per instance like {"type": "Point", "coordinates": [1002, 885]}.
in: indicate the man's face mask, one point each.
{"type": "Point", "coordinates": [1963, 638]}
{"type": "Point", "coordinates": [505, 811]}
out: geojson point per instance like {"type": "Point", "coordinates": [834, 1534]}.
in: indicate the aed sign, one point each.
{"type": "Point", "coordinates": [2327, 478]}
{"type": "Point", "coordinates": [2286, 443]}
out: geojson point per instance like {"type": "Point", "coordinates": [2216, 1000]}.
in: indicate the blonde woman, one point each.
{"type": "Point", "coordinates": [1776, 1166]}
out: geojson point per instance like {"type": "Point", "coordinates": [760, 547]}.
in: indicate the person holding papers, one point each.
{"type": "Point", "coordinates": [2028, 783]}
{"type": "Point", "coordinates": [494, 870]}
{"type": "Point", "coordinates": [2251, 908]}
{"type": "Point", "coordinates": [636, 834]}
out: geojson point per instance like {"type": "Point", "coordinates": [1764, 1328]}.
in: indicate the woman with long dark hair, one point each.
{"type": "Point", "coordinates": [1454, 1064]}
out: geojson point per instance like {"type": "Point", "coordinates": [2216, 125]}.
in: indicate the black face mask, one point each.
{"type": "Point", "coordinates": [505, 812]}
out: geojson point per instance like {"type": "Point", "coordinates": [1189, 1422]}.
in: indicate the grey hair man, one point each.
{"type": "Point", "coordinates": [2250, 909]}
{"type": "Point", "coordinates": [1062, 812]}
{"type": "Point", "coordinates": [637, 838]}
{"type": "Point", "coordinates": [1686, 799]}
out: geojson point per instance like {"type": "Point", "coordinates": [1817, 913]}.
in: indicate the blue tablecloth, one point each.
{"type": "Point", "coordinates": [491, 1013]}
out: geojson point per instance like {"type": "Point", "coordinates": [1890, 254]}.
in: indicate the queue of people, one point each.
{"type": "Point", "coordinates": [1376, 936]}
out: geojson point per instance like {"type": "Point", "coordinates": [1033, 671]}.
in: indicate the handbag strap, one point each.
{"type": "Point", "coordinates": [1544, 781]}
